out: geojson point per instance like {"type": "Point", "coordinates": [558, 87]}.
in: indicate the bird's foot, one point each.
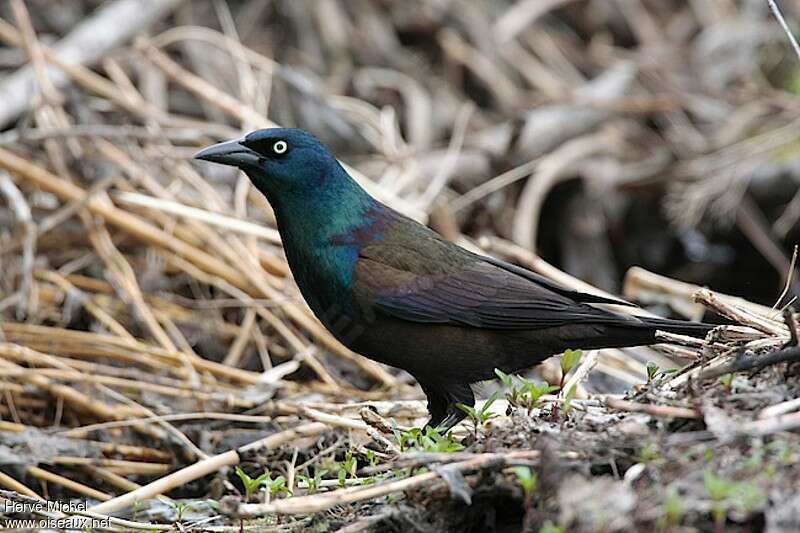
{"type": "Point", "coordinates": [453, 417]}
{"type": "Point", "coordinates": [443, 400]}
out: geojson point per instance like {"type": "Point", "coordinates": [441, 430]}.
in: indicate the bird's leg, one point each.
{"type": "Point", "coordinates": [442, 400]}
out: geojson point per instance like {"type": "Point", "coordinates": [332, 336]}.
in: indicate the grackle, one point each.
{"type": "Point", "coordinates": [395, 291]}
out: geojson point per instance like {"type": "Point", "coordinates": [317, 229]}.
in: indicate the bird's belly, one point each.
{"type": "Point", "coordinates": [449, 353]}
{"type": "Point", "coordinates": [338, 319]}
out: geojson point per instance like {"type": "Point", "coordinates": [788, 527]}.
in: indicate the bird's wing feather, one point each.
{"type": "Point", "coordinates": [555, 287]}
{"type": "Point", "coordinates": [432, 281]}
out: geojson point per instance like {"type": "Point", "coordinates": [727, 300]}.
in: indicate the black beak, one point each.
{"type": "Point", "coordinates": [232, 153]}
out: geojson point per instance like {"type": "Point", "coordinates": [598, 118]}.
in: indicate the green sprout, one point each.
{"type": "Point", "coordinates": [674, 508]}
{"type": "Point", "coordinates": [569, 360]}
{"type": "Point", "coordinates": [136, 508]}
{"type": "Point", "coordinates": [429, 440]}
{"type": "Point", "coordinates": [251, 485]}
{"type": "Point", "coordinates": [372, 459]}
{"type": "Point", "coordinates": [347, 467]}
{"type": "Point", "coordinates": [719, 490]}
{"type": "Point", "coordinates": [313, 482]}
{"type": "Point", "coordinates": [652, 371]}
{"type": "Point", "coordinates": [528, 480]}
{"type": "Point", "coordinates": [506, 379]}
{"type": "Point", "coordinates": [532, 393]}
{"type": "Point", "coordinates": [527, 394]}
{"type": "Point", "coordinates": [275, 486]}
{"type": "Point", "coordinates": [648, 453]}
{"type": "Point", "coordinates": [514, 393]}
{"type": "Point", "coordinates": [727, 495]}
{"type": "Point", "coordinates": [179, 508]}
{"type": "Point", "coordinates": [479, 416]}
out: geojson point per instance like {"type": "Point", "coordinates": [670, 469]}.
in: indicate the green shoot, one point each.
{"type": "Point", "coordinates": [479, 416]}
{"type": "Point", "coordinates": [652, 371]}
{"type": "Point", "coordinates": [136, 508]}
{"type": "Point", "coordinates": [726, 494]}
{"type": "Point", "coordinates": [372, 459]}
{"type": "Point", "coordinates": [648, 453]}
{"type": "Point", "coordinates": [251, 485]}
{"type": "Point", "coordinates": [505, 379]}
{"type": "Point", "coordinates": [527, 394]}
{"type": "Point", "coordinates": [514, 393]}
{"type": "Point", "coordinates": [276, 486]}
{"type": "Point", "coordinates": [533, 392]}
{"type": "Point", "coordinates": [431, 440]}
{"type": "Point", "coordinates": [179, 508]}
{"type": "Point", "coordinates": [718, 489]}
{"type": "Point", "coordinates": [347, 467]}
{"type": "Point", "coordinates": [313, 482]}
{"type": "Point", "coordinates": [528, 480]}
{"type": "Point", "coordinates": [674, 508]}
{"type": "Point", "coordinates": [569, 360]}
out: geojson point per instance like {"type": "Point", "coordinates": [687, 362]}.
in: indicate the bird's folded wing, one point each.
{"type": "Point", "coordinates": [469, 293]}
{"type": "Point", "coordinates": [555, 287]}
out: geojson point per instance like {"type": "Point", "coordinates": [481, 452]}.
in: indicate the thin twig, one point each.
{"type": "Point", "coordinates": [773, 5]}
{"type": "Point", "coordinates": [755, 363]}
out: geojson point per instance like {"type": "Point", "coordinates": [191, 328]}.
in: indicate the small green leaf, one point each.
{"type": "Point", "coordinates": [674, 509]}
{"type": "Point", "coordinates": [484, 412]}
{"type": "Point", "coordinates": [506, 379]}
{"type": "Point", "coordinates": [479, 416]}
{"type": "Point", "coordinates": [432, 440]}
{"type": "Point", "coordinates": [570, 360]}
{"type": "Point", "coordinates": [527, 479]}
{"type": "Point", "coordinates": [251, 485]}
{"type": "Point", "coordinates": [652, 371]}
{"type": "Point", "coordinates": [648, 453]}
{"type": "Point", "coordinates": [471, 412]}
{"type": "Point", "coordinates": [276, 486]}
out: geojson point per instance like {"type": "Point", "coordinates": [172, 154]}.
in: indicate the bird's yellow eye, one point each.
{"type": "Point", "coordinates": [280, 147]}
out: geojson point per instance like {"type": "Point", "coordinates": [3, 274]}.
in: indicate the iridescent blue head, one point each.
{"type": "Point", "coordinates": [285, 164]}
{"type": "Point", "coordinates": [319, 208]}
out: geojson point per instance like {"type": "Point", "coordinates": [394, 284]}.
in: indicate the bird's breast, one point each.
{"type": "Point", "coordinates": [324, 275]}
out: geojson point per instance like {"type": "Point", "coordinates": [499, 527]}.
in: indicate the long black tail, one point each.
{"type": "Point", "coordinates": [681, 327]}
{"type": "Point", "coordinates": [638, 331]}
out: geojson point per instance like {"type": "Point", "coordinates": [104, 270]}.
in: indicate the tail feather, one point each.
{"type": "Point", "coordinates": [680, 327]}
{"type": "Point", "coordinates": [634, 331]}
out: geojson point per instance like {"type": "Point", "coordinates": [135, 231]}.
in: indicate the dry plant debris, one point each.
{"type": "Point", "coordinates": [158, 364]}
